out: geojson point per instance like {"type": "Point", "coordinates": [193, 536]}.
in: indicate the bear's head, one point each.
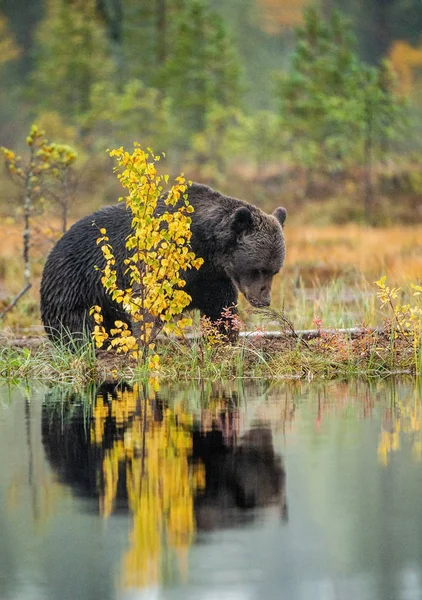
{"type": "Point", "coordinates": [257, 252]}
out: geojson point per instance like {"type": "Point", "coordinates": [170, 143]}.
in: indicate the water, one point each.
{"type": "Point", "coordinates": [226, 491]}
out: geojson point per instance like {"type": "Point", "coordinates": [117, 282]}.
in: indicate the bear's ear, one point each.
{"type": "Point", "coordinates": [280, 214]}
{"type": "Point", "coordinates": [242, 220]}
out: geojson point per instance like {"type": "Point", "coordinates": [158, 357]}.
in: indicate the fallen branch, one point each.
{"type": "Point", "coordinates": [300, 334]}
{"type": "Point", "coordinates": [311, 334]}
{"type": "Point", "coordinates": [15, 300]}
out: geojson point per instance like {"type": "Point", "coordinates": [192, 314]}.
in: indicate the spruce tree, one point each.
{"type": "Point", "coordinates": [201, 69]}
{"type": "Point", "coordinates": [314, 93]}
{"type": "Point", "coordinates": [71, 55]}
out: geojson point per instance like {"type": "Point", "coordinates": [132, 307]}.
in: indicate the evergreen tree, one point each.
{"type": "Point", "coordinates": [260, 51]}
{"type": "Point", "coordinates": [22, 17]}
{"type": "Point", "coordinates": [139, 41]}
{"type": "Point", "coordinates": [314, 93]}
{"type": "Point", "coordinates": [201, 69]}
{"type": "Point", "coordinates": [380, 119]}
{"type": "Point", "coordinates": [337, 109]}
{"type": "Point", "coordinates": [9, 56]}
{"type": "Point", "coordinates": [71, 56]}
{"type": "Point", "coordinates": [132, 112]}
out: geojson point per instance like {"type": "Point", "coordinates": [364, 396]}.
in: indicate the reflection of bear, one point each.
{"type": "Point", "coordinates": [68, 446]}
{"type": "Point", "coordinates": [238, 476]}
{"type": "Point", "coordinates": [249, 475]}
{"type": "Point", "coordinates": [242, 247]}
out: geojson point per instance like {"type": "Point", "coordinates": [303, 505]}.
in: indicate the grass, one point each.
{"type": "Point", "coordinates": [327, 282]}
{"type": "Point", "coordinates": [332, 355]}
{"type": "Point", "coordinates": [320, 254]}
{"type": "Point", "coordinates": [46, 363]}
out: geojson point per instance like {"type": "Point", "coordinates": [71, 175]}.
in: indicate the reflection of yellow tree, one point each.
{"type": "Point", "coordinates": [407, 419]}
{"type": "Point", "coordinates": [161, 484]}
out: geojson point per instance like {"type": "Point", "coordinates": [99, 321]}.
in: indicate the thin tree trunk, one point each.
{"type": "Point", "coordinates": [64, 218]}
{"type": "Point", "coordinates": [309, 182]}
{"type": "Point", "coordinates": [15, 300]}
{"type": "Point", "coordinates": [368, 165]}
{"type": "Point", "coordinates": [26, 246]}
{"type": "Point", "coordinates": [161, 31]}
{"type": "Point", "coordinates": [27, 208]}
{"type": "Point", "coordinates": [27, 230]}
{"type": "Point", "coordinates": [381, 30]}
{"type": "Point", "coordinates": [112, 13]}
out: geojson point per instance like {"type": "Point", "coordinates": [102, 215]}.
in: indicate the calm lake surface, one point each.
{"type": "Point", "coordinates": [223, 491]}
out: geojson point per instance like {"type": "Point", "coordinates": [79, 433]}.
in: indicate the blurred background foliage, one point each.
{"type": "Point", "coordinates": [316, 106]}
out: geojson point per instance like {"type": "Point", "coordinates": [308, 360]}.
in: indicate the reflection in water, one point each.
{"type": "Point", "coordinates": [34, 474]}
{"type": "Point", "coordinates": [403, 416]}
{"type": "Point", "coordinates": [248, 475]}
{"type": "Point", "coordinates": [103, 493]}
{"type": "Point", "coordinates": [173, 471]}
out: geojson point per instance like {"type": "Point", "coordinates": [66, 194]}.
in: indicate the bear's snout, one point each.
{"type": "Point", "coordinates": [261, 302]}
{"type": "Point", "coordinates": [257, 293]}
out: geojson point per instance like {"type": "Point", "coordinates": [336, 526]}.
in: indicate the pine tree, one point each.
{"type": "Point", "coordinates": [337, 109]}
{"type": "Point", "coordinates": [118, 113]}
{"type": "Point", "coordinates": [314, 93]}
{"type": "Point", "coordinates": [380, 118]}
{"type": "Point", "coordinates": [71, 55]}
{"type": "Point", "coordinates": [201, 69]}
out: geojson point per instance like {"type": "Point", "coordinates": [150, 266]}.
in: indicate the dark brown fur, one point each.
{"type": "Point", "coordinates": [242, 247]}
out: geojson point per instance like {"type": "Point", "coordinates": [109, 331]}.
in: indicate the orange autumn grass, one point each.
{"type": "Point", "coordinates": [316, 258]}
{"type": "Point", "coordinates": [353, 249]}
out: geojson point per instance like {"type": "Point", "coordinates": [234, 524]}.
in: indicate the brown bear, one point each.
{"type": "Point", "coordinates": [242, 247]}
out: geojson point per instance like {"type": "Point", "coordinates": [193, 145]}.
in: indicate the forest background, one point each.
{"type": "Point", "coordinates": [273, 101]}
{"type": "Point", "coordinates": [315, 106]}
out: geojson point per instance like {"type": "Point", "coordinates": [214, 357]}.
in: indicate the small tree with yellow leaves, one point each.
{"type": "Point", "coordinates": [406, 318]}
{"type": "Point", "coordinates": [46, 162]}
{"type": "Point", "coordinates": [158, 253]}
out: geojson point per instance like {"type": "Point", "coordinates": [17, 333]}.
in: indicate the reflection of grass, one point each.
{"type": "Point", "coordinates": [145, 454]}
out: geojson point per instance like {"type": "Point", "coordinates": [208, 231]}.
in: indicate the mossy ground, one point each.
{"type": "Point", "coordinates": [331, 355]}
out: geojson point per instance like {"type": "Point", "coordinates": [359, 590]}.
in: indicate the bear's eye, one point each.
{"type": "Point", "coordinates": [255, 273]}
